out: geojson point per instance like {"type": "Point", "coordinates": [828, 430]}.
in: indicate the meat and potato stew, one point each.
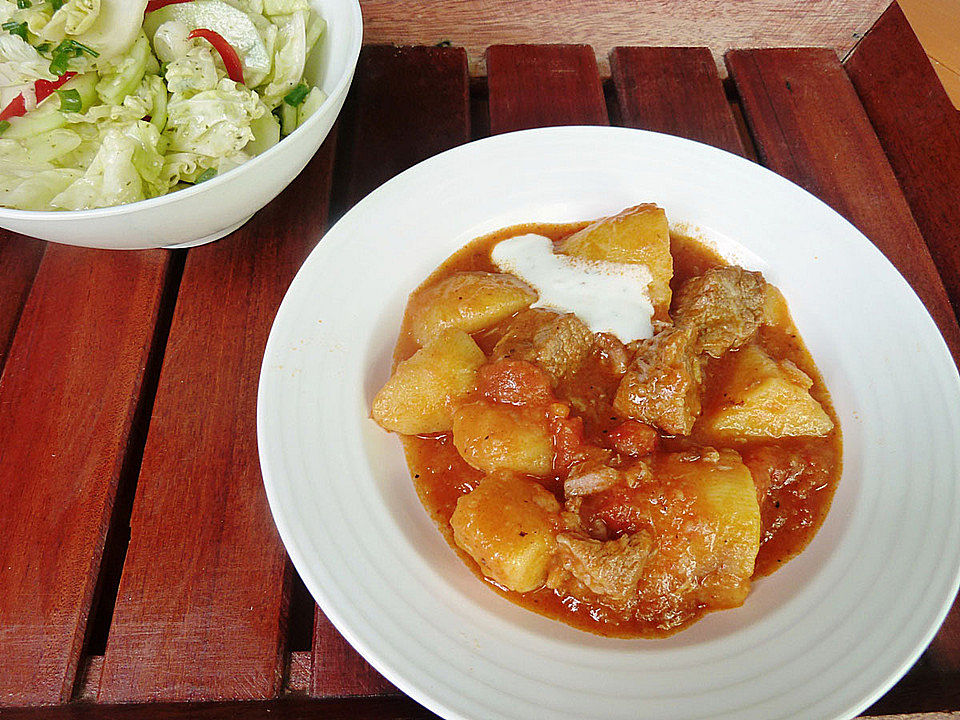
{"type": "Point", "coordinates": [612, 426]}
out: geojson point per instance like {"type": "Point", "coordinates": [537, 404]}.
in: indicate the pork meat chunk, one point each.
{"type": "Point", "coordinates": [557, 342]}
{"type": "Point", "coordinates": [725, 305]}
{"type": "Point", "coordinates": [662, 386]}
{"type": "Point", "coordinates": [609, 569]}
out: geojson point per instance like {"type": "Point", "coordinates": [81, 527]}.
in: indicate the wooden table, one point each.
{"type": "Point", "coordinates": [138, 560]}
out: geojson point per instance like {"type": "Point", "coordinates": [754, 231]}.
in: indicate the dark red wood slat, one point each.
{"type": "Point", "coordinates": [292, 708]}
{"type": "Point", "coordinates": [809, 126]}
{"type": "Point", "coordinates": [19, 260]}
{"type": "Point", "coordinates": [919, 129]}
{"type": "Point", "coordinates": [68, 397]}
{"type": "Point", "coordinates": [201, 607]}
{"type": "Point", "coordinates": [542, 85]}
{"type": "Point", "coordinates": [406, 104]}
{"type": "Point", "coordinates": [676, 91]}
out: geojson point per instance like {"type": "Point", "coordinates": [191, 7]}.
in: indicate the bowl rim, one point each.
{"type": "Point", "coordinates": [356, 42]}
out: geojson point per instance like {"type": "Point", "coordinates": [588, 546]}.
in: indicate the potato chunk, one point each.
{"type": "Point", "coordinates": [418, 396]}
{"type": "Point", "coordinates": [470, 301]}
{"type": "Point", "coordinates": [764, 398]}
{"type": "Point", "coordinates": [509, 525]}
{"type": "Point", "coordinates": [722, 535]}
{"type": "Point", "coordinates": [639, 234]}
{"type": "Point", "coordinates": [496, 436]}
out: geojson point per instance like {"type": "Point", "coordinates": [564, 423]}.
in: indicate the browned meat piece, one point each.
{"type": "Point", "coordinates": [557, 343]}
{"type": "Point", "coordinates": [662, 387]}
{"type": "Point", "coordinates": [610, 569]}
{"type": "Point", "coordinates": [725, 305]}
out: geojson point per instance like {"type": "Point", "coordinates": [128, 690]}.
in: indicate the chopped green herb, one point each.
{"type": "Point", "coordinates": [70, 100]}
{"type": "Point", "coordinates": [15, 28]}
{"type": "Point", "coordinates": [207, 174]}
{"type": "Point", "coordinates": [43, 47]}
{"type": "Point", "coordinates": [4, 126]}
{"type": "Point", "coordinates": [66, 50]}
{"type": "Point", "coordinates": [24, 4]}
{"type": "Point", "coordinates": [296, 96]}
{"type": "Point", "coordinates": [56, 4]}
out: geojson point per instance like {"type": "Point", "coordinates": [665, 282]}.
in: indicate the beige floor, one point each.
{"type": "Point", "coordinates": [937, 24]}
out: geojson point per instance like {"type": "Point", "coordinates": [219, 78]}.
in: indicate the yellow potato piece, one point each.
{"type": "Point", "coordinates": [495, 436]}
{"type": "Point", "coordinates": [508, 524]}
{"type": "Point", "coordinates": [418, 397]}
{"type": "Point", "coordinates": [470, 301]}
{"type": "Point", "coordinates": [766, 399]}
{"type": "Point", "coordinates": [724, 538]}
{"type": "Point", "coordinates": [637, 235]}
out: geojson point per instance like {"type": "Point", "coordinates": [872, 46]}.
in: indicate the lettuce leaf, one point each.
{"type": "Point", "coordinates": [213, 122]}
{"type": "Point", "coordinates": [289, 58]}
{"type": "Point", "coordinates": [126, 168]}
{"type": "Point", "coordinates": [32, 189]}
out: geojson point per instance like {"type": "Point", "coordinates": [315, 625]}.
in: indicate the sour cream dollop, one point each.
{"type": "Point", "coordinates": [608, 297]}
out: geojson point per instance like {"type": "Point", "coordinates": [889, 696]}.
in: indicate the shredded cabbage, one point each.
{"type": "Point", "coordinates": [158, 111]}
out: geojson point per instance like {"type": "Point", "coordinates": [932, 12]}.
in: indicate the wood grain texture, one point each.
{"type": "Point", "coordinates": [920, 131]}
{"type": "Point", "coordinates": [68, 397]}
{"type": "Point", "coordinates": [19, 260]}
{"type": "Point", "coordinates": [290, 708]}
{"type": "Point", "coordinates": [534, 86]}
{"type": "Point", "coordinates": [809, 125]}
{"type": "Point", "coordinates": [604, 24]}
{"type": "Point", "coordinates": [676, 91]}
{"type": "Point", "coordinates": [405, 105]}
{"type": "Point", "coordinates": [390, 708]}
{"type": "Point", "coordinates": [201, 608]}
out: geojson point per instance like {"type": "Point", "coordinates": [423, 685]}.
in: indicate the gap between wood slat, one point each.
{"type": "Point", "coordinates": [118, 535]}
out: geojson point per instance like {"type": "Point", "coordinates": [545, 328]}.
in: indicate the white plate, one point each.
{"type": "Point", "coordinates": [823, 637]}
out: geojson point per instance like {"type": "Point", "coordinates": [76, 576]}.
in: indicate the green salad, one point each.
{"type": "Point", "coordinates": [106, 102]}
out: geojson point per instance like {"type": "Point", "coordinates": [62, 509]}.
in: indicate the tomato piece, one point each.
{"type": "Point", "coordinates": [46, 88]}
{"type": "Point", "coordinates": [231, 61]}
{"type": "Point", "coordinates": [516, 382]}
{"type": "Point", "coordinates": [634, 438]}
{"type": "Point", "coordinates": [15, 108]}
{"type": "Point", "coordinates": [157, 4]}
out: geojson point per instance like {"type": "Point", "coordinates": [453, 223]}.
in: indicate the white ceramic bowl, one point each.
{"type": "Point", "coordinates": [208, 211]}
{"type": "Point", "coordinates": [821, 638]}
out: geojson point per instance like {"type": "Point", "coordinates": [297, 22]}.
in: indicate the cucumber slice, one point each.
{"type": "Point", "coordinates": [43, 119]}
{"type": "Point", "coordinates": [313, 102]}
{"type": "Point", "coordinates": [86, 85]}
{"type": "Point", "coordinates": [159, 115]}
{"type": "Point", "coordinates": [266, 134]}
{"type": "Point", "coordinates": [233, 24]}
{"type": "Point", "coordinates": [115, 86]}
{"type": "Point", "coordinates": [288, 118]}
{"type": "Point", "coordinates": [315, 30]}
